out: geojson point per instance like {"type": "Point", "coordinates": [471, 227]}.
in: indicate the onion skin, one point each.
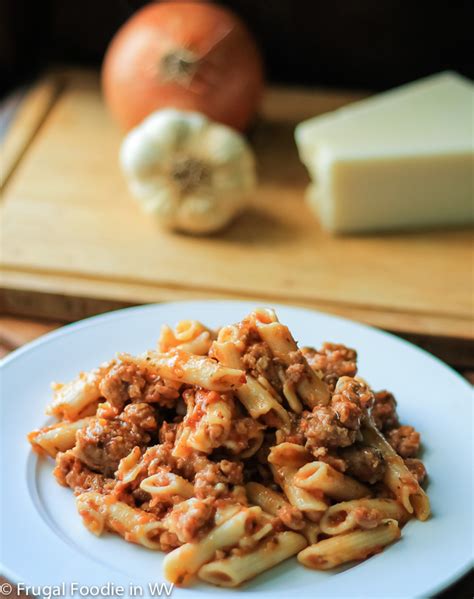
{"type": "Point", "coordinates": [185, 55]}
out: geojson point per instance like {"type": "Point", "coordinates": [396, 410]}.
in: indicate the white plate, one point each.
{"type": "Point", "coordinates": [45, 543]}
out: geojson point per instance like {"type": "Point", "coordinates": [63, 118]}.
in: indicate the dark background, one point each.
{"type": "Point", "coordinates": [372, 44]}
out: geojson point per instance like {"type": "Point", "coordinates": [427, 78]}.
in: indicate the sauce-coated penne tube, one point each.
{"type": "Point", "coordinates": [270, 501]}
{"type": "Point", "coordinates": [289, 454]}
{"type": "Point", "coordinates": [312, 390]}
{"type": "Point", "coordinates": [361, 513]}
{"type": "Point", "coordinates": [78, 398]}
{"type": "Point", "coordinates": [311, 532]}
{"type": "Point", "coordinates": [165, 485]}
{"type": "Point", "coordinates": [182, 563]}
{"type": "Point", "coordinates": [310, 504]}
{"type": "Point", "coordinates": [275, 504]}
{"type": "Point", "coordinates": [188, 335]}
{"type": "Point", "coordinates": [357, 545]}
{"type": "Point", "coordinates": [130, 466]}
{"type": "Point", "coordinates": [257, 400]}
{"type": "Point", "coordinates": [323, 477]}
{"type": "Point", "coordinates": [57, 437]}
{"type": "Point", "coordinates": [233, 570]}
{"type": "Point", "coordinates": [397, 477]}
{"type": "Point", "coordinates": [134, 525]}
{"type": "Point", "coordinates": [190, 369]}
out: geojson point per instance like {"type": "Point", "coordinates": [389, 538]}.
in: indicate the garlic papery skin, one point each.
{"type": "Point", "coordinates": [192, 174]}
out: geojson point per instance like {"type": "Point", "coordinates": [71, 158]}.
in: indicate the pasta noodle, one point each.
{"type": "Point", "coordinates": [182, 563]}
{"type": "Point", "coordinates": [192, 370]}
{"type": "Point", "coordinates": [189, 335]}
{"type": "Point", "coordinates": [232, 571]}
{"type": "Point", "coordinates": [166, 485]}
{"type": "Point", "coordinates": [319, 476]}
{"type": "Point", "coordinates": [104, 511]}
{"type": "Point", "coordinates": [361, 513]}
{"type": "Point", "coordinates": [312, 505]}
{"type": "Point", "coordinates": [289, 454]}
{"type": "Point", "coordinates": [76, 399]}
{"type": "Point", "coordinates": [348, 547]}
{"type": "Point", "coordinates": [57, 437]}
{"type": "Point", "coordinates": [255, 397]}
{"type": "Point", "coordinates": [310, 388]}
{"type": "Point", "coordinates": [398, 478]}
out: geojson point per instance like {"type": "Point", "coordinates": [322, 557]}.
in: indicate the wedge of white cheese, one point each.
{"type": "Point", "coordinates": [401, 159]}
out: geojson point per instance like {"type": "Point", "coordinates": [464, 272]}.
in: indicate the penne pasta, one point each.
{"type": "Point", "coordinates": [57, 437]}
{"type": "Point", "coordinates": [357, 545]}
{"type": "Point", "coordinates": [289, 454]}
{"type": "Point", "coordinates": [275, 504]}
{"type": "Point", "coordinates": [212, 424]}
{"type": "Point", "coordinates": [164, 485]}
{"type": "Point", "coordinates": [185, 561]}
{"type": "Point", "coordinates": [270, 501]}
{"type": "Point", "coordinates": [398, 478]}
{"type": "Point", "coordinates": [312, 505]}
{"type": "Point", "coordinates": [312, 390]}
{"type": "Point", "coordinates": [100, 512]}
{"type": "Point", "coordinates": [311, 532]}
{"type": "Point", "coordinates": [190, 369]}
{"type": "Point", "coordinates": [361, 513]}
{"type": "Point", "coordinates": [188, 335]}
{"type": "Point", "coordinates": [130, 466]}
{"type": "Point", "coordinates": [78, 398]}
{"type": "Point", "coordinates": [319, 476]}
{"type": "Point", "coordinates": [257, 400]}
{"type": "Point", "coordinates": [235, 569]}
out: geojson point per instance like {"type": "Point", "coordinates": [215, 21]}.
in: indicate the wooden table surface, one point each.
{"type": "Point", "coordinates": [15, 332]}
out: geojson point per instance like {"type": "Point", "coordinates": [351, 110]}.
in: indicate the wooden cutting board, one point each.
{"type": "Point", "coordinates": [75, 243]}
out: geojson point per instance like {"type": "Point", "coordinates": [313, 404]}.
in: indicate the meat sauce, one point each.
{"type": "Point", "coordinates": [142, 411]}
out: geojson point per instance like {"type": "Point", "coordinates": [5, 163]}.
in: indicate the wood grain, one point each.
{"type": "Point", "coordinates": [71, 231]}
{"type": "Point", "coordinates": [32, 113]}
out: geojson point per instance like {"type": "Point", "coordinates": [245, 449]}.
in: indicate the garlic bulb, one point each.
{"type": "Point", "coordinates": [192, 174]}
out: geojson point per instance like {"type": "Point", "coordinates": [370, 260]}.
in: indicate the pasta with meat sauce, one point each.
{"type": "Point", "coordinates": [235, 450]}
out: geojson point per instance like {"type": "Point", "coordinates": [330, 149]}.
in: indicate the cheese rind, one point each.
{"type": "Point", "coordinates": [402, 159]}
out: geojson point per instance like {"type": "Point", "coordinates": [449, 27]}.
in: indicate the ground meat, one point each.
{"type": "Point", "coordinates": [159, 456]}
{"type": "Point", "coordinates": [159, 392]}
{"type": "Point", "coordinates": [190, 519]}
{"type": "Point", "coordinates": [405, 440]}
{"type": "Point", "coordinates": [214, 478]}
{"type": "Point", "coordinates": [245, 433]}
{"type": "Point", "coordinates": [351, 397]}
{"type": "Point", "coordinates": [333, 361]}
{"type": "Point", "coordinates": [103, 443]}
{"type": "Point", "coordinates": [321, 428]}
{"type": "Point", "coordinates": [168, 432]}
{"type": "Point", "coordinates": [71, 472]}
{"type": "Point", "coordinates": [364, 463]}
{"type": "Point", "coordinates": [141, 415]}
{"type": "Point", "coordinates": [384, 411]}
{"type": "Point", "coordinates": [259, 360]}
{"type": "Point", "coordinates": [297, 369]}
{"type": "Point", "coordinates": [123, 382]}
{"type": "Point", "coordinates": [417, 468]}
{"type": "Point", "coordinates": [128, 382]}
